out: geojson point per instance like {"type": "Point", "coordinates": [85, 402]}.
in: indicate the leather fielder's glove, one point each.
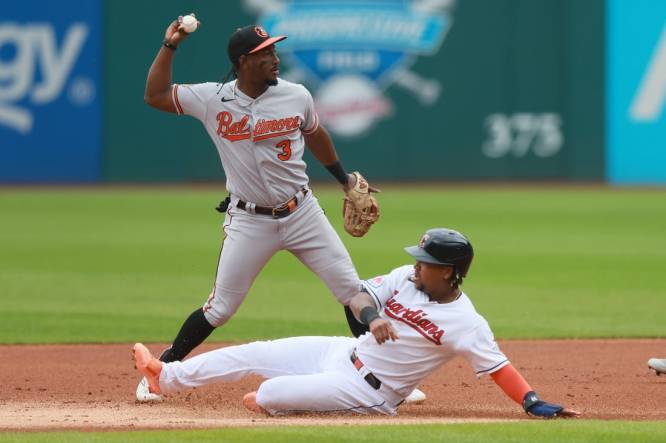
{"type": "Point", "coordinates": [360, 209]}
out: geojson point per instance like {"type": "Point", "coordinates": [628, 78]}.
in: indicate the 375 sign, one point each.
{"type": "Point", "coordinates": [521, 134]}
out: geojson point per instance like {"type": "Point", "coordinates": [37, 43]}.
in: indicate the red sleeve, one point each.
{"type": "Point", "coordinates": [512, 383]}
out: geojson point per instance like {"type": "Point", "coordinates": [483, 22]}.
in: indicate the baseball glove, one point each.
{"type": "Point", "coordinates": [360, 209]}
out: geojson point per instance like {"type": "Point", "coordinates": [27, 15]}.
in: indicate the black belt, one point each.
{"type": "Point", "coordinates": [278, 212]}
{"type": "Point", "coordinates": [370, 378]}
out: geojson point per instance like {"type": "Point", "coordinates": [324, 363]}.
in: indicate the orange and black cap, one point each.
{"type": "Point", "coordinates": [249, 39]}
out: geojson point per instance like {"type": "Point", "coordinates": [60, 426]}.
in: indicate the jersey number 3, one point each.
{"type": "Point", "coordinates": [285, 145]}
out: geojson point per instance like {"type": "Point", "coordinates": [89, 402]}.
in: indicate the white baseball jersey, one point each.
{"type": "Point", "coordinates": [316, 373]}
{"type": "Point", "coordinates": [260, 141]}
{"type": "Point", "coordinates": [430, 334]}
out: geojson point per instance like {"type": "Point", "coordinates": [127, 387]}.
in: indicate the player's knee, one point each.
{"type": "Point", "coordinates": [221, 306]}
{"type": "Point", "coordinates": [269, 397]}
{"type": "Point", "coordinates": [214, 318]}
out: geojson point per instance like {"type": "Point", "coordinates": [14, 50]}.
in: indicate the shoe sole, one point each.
{"type": "Point", "coordinates": [143, 394]}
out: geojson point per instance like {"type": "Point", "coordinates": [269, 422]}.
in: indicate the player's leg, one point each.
{"type": "Point", "coordinates": [248, 245]}
{"type": "Point", "coordinates": [311, 238]}
{"type": "Point", "coordinates": [305, 374]}
{"type": "Point", "coordinates": [192, 333]}
{"type": "Point", "coordinates": [337, 387]}
{"type": "Point", "coordinates": [329, 391]}
{"type": "Point", "coordinates": [314, 241]}
{"type": "Point", "coordinates": [288, 356]}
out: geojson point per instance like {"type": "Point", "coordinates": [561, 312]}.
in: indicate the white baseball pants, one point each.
{"type": "Point", "coordinates": [252, 239]}
{"type": "Point", "coordinates": [305, 374]}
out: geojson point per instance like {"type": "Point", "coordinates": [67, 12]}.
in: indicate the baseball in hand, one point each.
{"type": "Point", "coordinates": [189, 23]}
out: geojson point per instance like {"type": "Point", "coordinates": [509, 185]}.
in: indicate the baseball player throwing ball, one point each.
{"type": "Point", "coordinates": [419, 319]}
{"type": "Point", "coordinates": [260, 125]}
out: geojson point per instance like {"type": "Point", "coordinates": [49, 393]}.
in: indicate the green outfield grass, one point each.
{"type": "Point", "coordinates": [546, 432]}
{"type": "Point", "coordinates": [120, 265]}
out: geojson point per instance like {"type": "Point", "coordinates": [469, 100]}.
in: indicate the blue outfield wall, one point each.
{"type": "Point", "coordinates": [50, 112]}
{"type": "Point", "coordinates": [636, 92]}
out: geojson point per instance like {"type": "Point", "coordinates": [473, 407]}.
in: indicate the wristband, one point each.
{"type": "Point", "coordinates": [168, 44]}
{"type": "Point", "coordinates": [530, 399]}
{"type": "Point", "coordinates": [368, 314]}
{"type": "Point", "coordinates": [338, 172]}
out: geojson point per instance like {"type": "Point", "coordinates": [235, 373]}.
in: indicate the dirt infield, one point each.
{"type": "Point", "coordinates": [91, 387]}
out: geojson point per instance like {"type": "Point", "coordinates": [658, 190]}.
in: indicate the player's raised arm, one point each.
{"type": "Point", "coordinates": [158, 83]}
{"type": "Point", "coordinates": [365, 312]}
{"type": "Point", "coordinates": [514, 385]}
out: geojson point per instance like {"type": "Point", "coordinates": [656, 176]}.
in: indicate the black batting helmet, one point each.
{"type": "Point", "coordinates": [442, 246]}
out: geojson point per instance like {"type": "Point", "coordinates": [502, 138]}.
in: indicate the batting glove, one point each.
{"type": "Point", "coordinates": [536, 407]}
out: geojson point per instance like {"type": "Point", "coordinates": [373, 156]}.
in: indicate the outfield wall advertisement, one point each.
{"type": "Point", "coordinates": [452, 90]}
{"type": "Point", "coordinates": [636, 88]}
{"type": "Point", "coordinates": [415, 90]}
{"type": "Point", "coordinates": [409, 89]}
{"type": "Point", "coordinates": [50, 65]}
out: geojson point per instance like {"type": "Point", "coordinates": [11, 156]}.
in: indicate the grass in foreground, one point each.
{"type": "Point", "coordinates": [121, 265]}
{"type": "Point", "coordinates": [546, 432]}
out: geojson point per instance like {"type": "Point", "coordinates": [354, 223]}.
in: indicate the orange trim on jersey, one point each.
{"type": "Point", "coordinates": [275, 134]}
{"type": "Point", "coordinates": [314, 127]}
{"type": "Point", "coordinates": [413, 326]}
{"type": "Point", "coordinates": [235, 138]}
{"type": "Point", "coordinates": [174, 96]}
{"type": "Point", "coordinates": [512, 383]}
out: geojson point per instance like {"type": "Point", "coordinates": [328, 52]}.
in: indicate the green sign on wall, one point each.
{"type": "Point", "coordinates": [474, 89]}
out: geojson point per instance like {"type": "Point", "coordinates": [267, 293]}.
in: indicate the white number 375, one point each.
{"type": "Point", "coordinates": [518, 134]}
